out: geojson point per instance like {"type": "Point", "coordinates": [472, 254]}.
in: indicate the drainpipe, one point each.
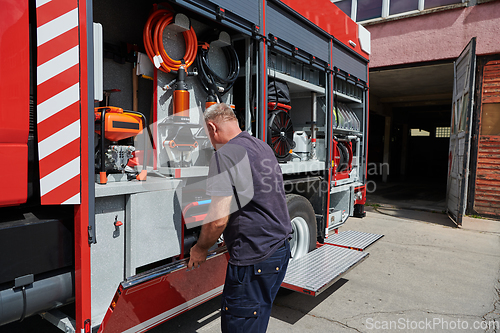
{"type": "Point", "coordinates": [28, 298]}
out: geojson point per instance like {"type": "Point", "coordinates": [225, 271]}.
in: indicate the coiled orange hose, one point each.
{"type": "Point", "coordinates": [153, 42]}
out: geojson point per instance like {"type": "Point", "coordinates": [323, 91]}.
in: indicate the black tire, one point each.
{"type": "Point", "coordinates": [303, 224]}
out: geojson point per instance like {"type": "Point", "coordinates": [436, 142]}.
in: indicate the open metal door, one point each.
{"type": "Point", "coordinates": [460, 136]}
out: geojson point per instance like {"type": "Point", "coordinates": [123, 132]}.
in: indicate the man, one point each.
{"type": "Point", "coordinates": [249, 206]}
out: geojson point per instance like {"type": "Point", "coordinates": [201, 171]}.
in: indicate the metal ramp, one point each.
{"type": "Point", "coordinates": [351, 239]}
{"type": "Point", "coordinates": [320, 268]}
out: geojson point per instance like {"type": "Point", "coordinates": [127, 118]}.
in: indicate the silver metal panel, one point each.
{"type": "Point", "coordinates": [353, 239]}
{"type": "Point", "coordinates": [322, 267]}
{"type": "Point", "coordinates": [345, 98]}
{"type": "Point", "coordinates": [153, 183]}
{"type": "Point", "coordinates": [342, 188]}
{"type": "Point", "coordinates": [335, 219]}
{"type": "Point", "coordinates": [60, 320]}
{"type": "Point", "coordinates": [342, 201]}
{"type": "Point", "coordinates": [153, 228]}
{"type": "Point", "coordinates": [192, 171]}
{"type": "Point", "coordinates": [302, 166]}
{"type": "Point", "coordinates": [107, 255]}
{"type": "Point", "coordinates": [296, 85]}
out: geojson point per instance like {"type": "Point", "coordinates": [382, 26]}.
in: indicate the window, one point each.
{"type": "Point", "coordinates": [368, 9]}
{"type": "Point", "coordinates": [362, 10]}
{"type": "Point", "coordinates": [490, 122]}
{"type": "Point", "coordinates": [443, 132]}
{"type": "Point", "coordinates": [419, 132]}
{"type": "Point", "coordinates": [437, 3]}
{"type": "Point", "coordinates": [345, 6]}
{"type": "Point", "coordinates": [401, 6]}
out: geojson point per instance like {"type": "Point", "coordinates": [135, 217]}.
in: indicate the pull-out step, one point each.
{"type": "Point", "coordinates": [316, 271]}
{"type": "Point", "coordinates": [351, 239]}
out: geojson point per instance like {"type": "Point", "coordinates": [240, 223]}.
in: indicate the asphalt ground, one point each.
{"type": "Point", "coordinates": [424, 275]}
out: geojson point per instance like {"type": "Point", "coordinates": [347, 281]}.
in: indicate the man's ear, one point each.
{"type": "Point", "coordinates": [212, 127]}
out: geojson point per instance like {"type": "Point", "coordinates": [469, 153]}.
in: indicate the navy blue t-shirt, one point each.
{"type": "Point", "coordinates": [259, 220]}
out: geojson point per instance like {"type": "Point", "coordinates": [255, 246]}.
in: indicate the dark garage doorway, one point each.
{"type": "Point", "coordinates": [411, 106]}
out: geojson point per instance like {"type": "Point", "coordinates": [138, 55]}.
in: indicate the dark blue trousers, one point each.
{"type": "Point", "coordinates": [249, 292]}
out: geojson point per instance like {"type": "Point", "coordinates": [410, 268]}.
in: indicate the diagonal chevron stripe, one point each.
{"type": "Point", "coordinates": [57, 65]}
{"type": "Point", "coordinates": [41, 2]}
{"type": "Point", "coordinates": [57, 27]}
{"type": "Point", "coordinates": [59, 139]}
{"type": "Point", "coordinates": [59, 102]}
{"type": "Point", "coordinates": [62, 193]}
{"type": "Point", "coordinates": [57, 46]}
{"type": "Point", "coordinates": [58, 89]}
{"type": "Point", "coordinates": [60, 176]}
{"type": "Point", "coordinates": [75, 200]}
{"type": "Point", "coordinates": [59, 157]}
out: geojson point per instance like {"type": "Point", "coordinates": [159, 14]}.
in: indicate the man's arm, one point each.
{"type": "Point", "coordinates": [214, 224]}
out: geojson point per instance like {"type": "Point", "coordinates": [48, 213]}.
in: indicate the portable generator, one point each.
{"type": "Point", "coordinates": [115, 150]}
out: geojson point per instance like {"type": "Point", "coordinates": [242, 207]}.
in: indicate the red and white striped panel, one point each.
{"type": "Point", "coordinates": [58, 101]}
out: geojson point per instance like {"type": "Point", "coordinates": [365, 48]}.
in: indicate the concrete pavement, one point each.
{"type": "Point", "coordinates": [424, 273]}
{"type": "Point", "coordinates": [423, 269]}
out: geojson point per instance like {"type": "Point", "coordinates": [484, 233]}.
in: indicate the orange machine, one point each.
{"type": "Point", "coordinates": [115, 124]}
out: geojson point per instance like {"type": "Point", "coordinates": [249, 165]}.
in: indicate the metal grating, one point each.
{"type": "Point", "coordinates": [355, 240]}
{"type": "Point", "coordinates": [319, 269]}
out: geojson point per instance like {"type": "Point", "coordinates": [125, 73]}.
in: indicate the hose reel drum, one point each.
{"type": "Point", "coordinates": [342, 157]}
{"type": "Point", "coordinates": [280, 134]}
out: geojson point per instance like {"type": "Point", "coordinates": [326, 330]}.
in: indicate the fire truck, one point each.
{"type": "Point", "coordinates": [101, 123]}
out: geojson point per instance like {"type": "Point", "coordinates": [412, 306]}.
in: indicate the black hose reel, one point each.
{"type": "Point", "coordinates": [280, 135]}
{"type": "Point", "coordinates": [343, 157]}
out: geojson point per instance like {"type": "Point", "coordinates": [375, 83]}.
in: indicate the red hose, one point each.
{"type": "Point", "coordinates": [153, 42]}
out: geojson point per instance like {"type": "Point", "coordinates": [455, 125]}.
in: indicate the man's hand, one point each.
{"type": "Point", "coordinates": [214, 224]}
{"type": "Point", "coordinates": [197, 257]}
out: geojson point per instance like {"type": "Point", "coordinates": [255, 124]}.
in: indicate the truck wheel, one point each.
{"type": "Point", "coordinates": [303, 225]}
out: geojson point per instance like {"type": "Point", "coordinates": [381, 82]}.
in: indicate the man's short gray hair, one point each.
{"type": "Point", "coordinates": [219, 112]}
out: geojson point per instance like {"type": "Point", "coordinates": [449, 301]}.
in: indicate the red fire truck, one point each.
{"type": "Point", "coordinates": [101, 120]}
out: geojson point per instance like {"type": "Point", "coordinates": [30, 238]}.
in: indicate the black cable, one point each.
{"type": "Point", "coordinates": [24, 304]}
{"type": "Point", "coordinates": [275, 88]}
{"type": "Point", "coordinates": [344, 157]}
{"type": "Point", "coordinates": [210, 80]}
{"type": "Point", "coordinates": [103, 146]}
